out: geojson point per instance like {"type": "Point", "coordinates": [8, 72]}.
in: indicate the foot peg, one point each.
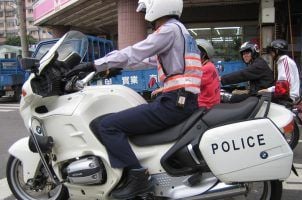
{"type": "Point", "coordinates": [194, 180]}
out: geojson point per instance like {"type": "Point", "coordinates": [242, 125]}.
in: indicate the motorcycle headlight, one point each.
{"type": "Point", "coordinates": [37, 126]}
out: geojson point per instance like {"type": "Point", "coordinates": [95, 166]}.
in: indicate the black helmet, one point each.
{"type": "Point", "coordinates": [278, 46]}
{"type": "Point", "coordinates": [248, 46]}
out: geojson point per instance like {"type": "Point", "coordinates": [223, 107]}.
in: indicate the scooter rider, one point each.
{"type": "Point", "coordinates": [179, 70]}
{"type": "Point", "coordinates": [257, 72]}
{"type": "Point", "coordinates": [287, 68]}
{"type": "Point", "coordinates": [210, 85]}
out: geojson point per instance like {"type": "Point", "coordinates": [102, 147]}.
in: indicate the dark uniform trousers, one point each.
{"type": "Point", "coordinates": [113, 130]}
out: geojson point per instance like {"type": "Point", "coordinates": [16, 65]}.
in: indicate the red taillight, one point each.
{"type": "Point", "coordinates": [23, 93]}
{"type": "Point", "coordinates": [282, 89]}
{"type": "Point", "coordinates": [289, 128]}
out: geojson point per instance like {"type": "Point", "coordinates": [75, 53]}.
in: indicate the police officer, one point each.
{"type": "Point", "coordinates": [287, 68]}
{"type": "Point", "coordinates": [210, 85]}
{"type": "Point", "coordinates": [257, 72]}
{"type": "Point", "coordinates": [179, 70]}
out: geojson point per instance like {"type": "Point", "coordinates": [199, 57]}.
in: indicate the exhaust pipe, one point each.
{"type": "Point", "coordinates": [221, 190]}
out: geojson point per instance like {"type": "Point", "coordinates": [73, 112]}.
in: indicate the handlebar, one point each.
{"type": "Point", "coordinates": [84, 81]}
{"type": "Point", "coordinates": [75, 84]}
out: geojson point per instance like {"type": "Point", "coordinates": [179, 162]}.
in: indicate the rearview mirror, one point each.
{"type": "Point", "coordinates": [30, 64]}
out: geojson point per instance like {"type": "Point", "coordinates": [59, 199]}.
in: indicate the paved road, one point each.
{"type": "Point", "coordinates": [12, 128]}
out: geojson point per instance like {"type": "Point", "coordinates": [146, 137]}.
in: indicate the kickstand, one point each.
{"type": "Point", "coordinates": [294, 170]}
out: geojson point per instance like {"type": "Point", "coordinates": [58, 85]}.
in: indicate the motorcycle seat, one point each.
{"type": "Point", "coordinates": [225, 113]}
{"type": "Point", "coordinates": [167, 135]}
{"type": "Point", "coordinates": [218, 115]}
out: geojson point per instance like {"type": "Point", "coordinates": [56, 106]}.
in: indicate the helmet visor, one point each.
{"type": "Point", "coordinates": [141, 7]}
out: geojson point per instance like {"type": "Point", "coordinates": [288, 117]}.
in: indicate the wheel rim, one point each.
{"type": "Point", "coordinates": [256, 191]}
{"type": "Point", "coordinates": [23, 190]}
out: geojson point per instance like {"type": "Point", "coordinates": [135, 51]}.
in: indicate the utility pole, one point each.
{"type": "Point", "coordinates": [22, 27]}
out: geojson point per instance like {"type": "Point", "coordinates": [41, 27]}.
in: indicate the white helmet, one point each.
{"type": "Point", "coordinates": [156, 9]}
{"type": "Point", "coordinates": [207, 47]}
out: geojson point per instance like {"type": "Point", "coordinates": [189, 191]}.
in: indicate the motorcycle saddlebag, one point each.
{"type": "Point", "coordinates": [253, 150]}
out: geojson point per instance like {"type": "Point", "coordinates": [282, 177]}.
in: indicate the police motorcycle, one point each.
{"type": "Point", "coordinates": [233, 150]}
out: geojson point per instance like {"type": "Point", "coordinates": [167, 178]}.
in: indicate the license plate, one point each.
{"type": "Point", "coordinates": [9, 93]}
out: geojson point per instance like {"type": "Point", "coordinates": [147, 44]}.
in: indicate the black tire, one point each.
{"type": "Point", "coordinates": [277, 188]}
{"type": "Point", "coordinates": [21, 193]}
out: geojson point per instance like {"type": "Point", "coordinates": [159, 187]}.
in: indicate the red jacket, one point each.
{"type": "Point", "coordinates": [210, 86]}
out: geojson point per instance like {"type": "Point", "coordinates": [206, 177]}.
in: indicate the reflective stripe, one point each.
{"type": "Point", "coordinates": [193, 68]}
{"type": "Point", "coordinates": [189, 82]}
{"type": "Point", "coordinates": [191, 79]}
{"type": "Point", "coordinates": [182, 76]}
{"type": "Point", "coordinates": [193, 63]}
{"type": "Point", "coordinates": [192, 58]}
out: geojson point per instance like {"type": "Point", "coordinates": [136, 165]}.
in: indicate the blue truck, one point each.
{"type": "Point", "coordinates": [137, 79]}
{"type": "Point", "coordinates": [12, 78]}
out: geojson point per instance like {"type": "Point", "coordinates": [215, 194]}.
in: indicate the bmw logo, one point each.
{"type": "Point", "coordinates": [39, 130]}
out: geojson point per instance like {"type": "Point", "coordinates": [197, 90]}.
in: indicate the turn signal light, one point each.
{"type": "Point", "coordinates": [289, 128]}
{"type": "Point", "coordinates": [24, 93]}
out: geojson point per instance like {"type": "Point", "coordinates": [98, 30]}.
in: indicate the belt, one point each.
{"type": "Point", "coordinates": [182, 90]}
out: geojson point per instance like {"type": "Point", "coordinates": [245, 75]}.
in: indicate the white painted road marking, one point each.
{"type": "Point", "coordinates": [13, 107]}
{"type": "Point", "coordinates": [3, 110]}
{"type": "Point", "coordinates": [9, 107]}
{"type": "Point", "coordinates": [4, 189]}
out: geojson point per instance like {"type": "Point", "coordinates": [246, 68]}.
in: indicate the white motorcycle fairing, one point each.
{"type": "Point", "coordinates": [30, 160]}
{"type": "Point", "coordinates": [255, 151]}
{"type": "Point", "coordinates": [73, 114]}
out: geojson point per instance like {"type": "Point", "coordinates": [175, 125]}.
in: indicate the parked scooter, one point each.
{"type": "Point", "coordinates": [233, 150]}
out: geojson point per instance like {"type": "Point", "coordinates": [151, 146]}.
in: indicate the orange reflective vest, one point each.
{"type": "Point", "coordinates": [190, 79]}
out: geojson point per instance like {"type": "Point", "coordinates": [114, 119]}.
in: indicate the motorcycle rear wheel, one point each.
{"type": "Point", "coordinates": [21, 190]}
{"type": "Point", "coordinates": [265, 190]}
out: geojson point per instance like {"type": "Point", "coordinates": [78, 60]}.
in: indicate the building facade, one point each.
{"type": "Point", "coordinates": [9, 21]}
{"type": "Point", "coordinates": [226, 24]}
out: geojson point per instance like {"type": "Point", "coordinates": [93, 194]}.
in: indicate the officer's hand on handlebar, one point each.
{"type": "Point", "coordinates": [112, 72]}
{"type": "Point", "coordinates": [83, 67]}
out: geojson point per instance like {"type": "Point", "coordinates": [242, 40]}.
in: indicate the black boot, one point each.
{"type": "Point", "coordinates": [136, 182]}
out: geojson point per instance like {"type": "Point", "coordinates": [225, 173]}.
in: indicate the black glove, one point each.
{"type": "Point", "coordinates": [83, 67]}
{"type": "Point", "coordinates": [112, 72]}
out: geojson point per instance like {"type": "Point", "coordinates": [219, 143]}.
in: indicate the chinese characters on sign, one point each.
{"type": "Point", "coordinates": [129, 80]}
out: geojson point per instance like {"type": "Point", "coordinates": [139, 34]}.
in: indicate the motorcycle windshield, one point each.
{"type": "Point", "coordinates": [71, 42]}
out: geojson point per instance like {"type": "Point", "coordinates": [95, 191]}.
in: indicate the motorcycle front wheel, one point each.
{"type": "Point", "coordinates": [41, 188]}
